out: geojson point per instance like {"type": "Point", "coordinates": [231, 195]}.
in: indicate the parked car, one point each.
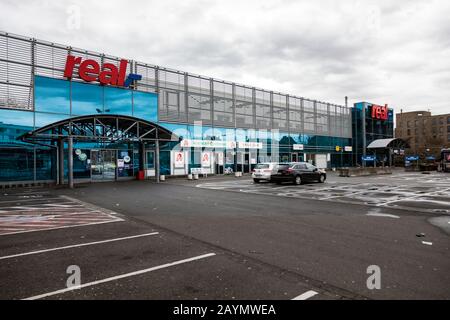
{"type": "Point", "coordinates": [298, 173]}
{"type": "Point", "coordinates": [263, 171]}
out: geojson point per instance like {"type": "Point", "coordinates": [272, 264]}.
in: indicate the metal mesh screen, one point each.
{"type": "Point", "coordinates": [183, 97]}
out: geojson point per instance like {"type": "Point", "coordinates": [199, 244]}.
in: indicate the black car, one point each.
{"type": "Point", "coordinates": [298, 173]}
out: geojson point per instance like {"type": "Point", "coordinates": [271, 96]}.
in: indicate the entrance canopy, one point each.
{"type": "Point", "coordinates": [394, 143]}
{"type": "Point", "coordinates": [101, 127]}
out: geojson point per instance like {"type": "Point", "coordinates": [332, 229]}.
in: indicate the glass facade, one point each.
{"type": "Point", "coordinates": [366, 129]}
{"type": "Point", "coordinates": [56, 100]}
{"type": "Point", "coordinates": [264, 125]}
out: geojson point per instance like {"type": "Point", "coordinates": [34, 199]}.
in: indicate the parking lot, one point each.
{"type": "Point", "coordinates": [43, 235]}
{"type": "Point", "coordinates": [32, 210]}
{"type": "Point", "coordinates": [227, 238]}
{"type": "Point", "coordinates": [415, 192]}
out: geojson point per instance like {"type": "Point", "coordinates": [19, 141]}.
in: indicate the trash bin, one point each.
{"type": "Point", "coordinates": [141, 175]}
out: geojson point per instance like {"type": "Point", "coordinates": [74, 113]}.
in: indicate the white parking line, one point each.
{"type": "Point", "coordinates": [306, 295]}
{"type": "Point", "coordinates": [125, 275]}
{"type": "Point", "coordinates": [415, 196]}
{"type": "Point", "coordinates": [63, 227]}
{"type": "Point", "coordinates": [77, 245]}
{"type": "Point", "coordinates": [387, 215]}
{"type": "Point", "coordinates": [26, 200]}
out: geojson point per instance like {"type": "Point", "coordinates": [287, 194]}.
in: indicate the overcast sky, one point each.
{"type": "Point", "coordinates": [394, 52]}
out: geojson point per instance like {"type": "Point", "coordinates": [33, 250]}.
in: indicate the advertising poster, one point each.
{"type": "Point", "coordinates": [206, 160]}
{"type": "Point", "coordinates": [179, 159]}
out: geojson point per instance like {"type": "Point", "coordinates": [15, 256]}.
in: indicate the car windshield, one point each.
{"type": "Point", "coordinates": [262, 166]}
{"type": "Point", "coordinates": [283, 166]}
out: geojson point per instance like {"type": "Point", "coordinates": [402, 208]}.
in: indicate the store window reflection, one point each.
{"type": "Point", "coordinates": [86, 99]}
{"type": "Point", "coordinates": [52, 95]}
{"type": "Point", "coordinates": [145, 106]}
{"type": "Point", "coordinates": [117, 101]}
{"type": "Point", "coordinates": [16, 157]}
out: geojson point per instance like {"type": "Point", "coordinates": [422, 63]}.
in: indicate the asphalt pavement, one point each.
{"type": "Point", "coordinates": [225, 238]}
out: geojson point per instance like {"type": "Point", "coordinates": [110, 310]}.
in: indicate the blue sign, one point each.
{"type": "Point", "coordinates": [368, 158]}
{"type": "Point", "coordinates": [412, 158]}
{"type": "Point", "coordinates": [431, 158]}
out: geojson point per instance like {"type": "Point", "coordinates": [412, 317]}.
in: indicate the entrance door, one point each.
{"type": "Point", "coordinates": [246, 162]}
{"type": "Point", "coordinates": [103, 165]}
{"type": "Point", "coordinates": [294, 157]}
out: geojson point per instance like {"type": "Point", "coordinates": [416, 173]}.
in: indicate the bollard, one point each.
{"type": "Point", "coordinates": [196, 176]}
{"type": "Point", "coordinates": [162, 178]}
{"type": "Point", "coordinates": [190, 176]}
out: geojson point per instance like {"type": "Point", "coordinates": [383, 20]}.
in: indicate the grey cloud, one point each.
{"type": "Point", "coordinates": [395, 52]}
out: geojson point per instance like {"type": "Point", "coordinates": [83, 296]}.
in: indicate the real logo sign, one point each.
{"type": "Point", "coordinates": [379, 112]}
{"type": "Point", "coordinates": [89, 70]}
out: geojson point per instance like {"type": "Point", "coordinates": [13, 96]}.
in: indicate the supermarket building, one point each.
{"type": "Point", "coordinates": [72, 115]}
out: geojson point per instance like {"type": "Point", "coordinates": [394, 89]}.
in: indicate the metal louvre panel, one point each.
{"type": "Point", "coordinates": [113, 61]}
{"type": "Point", "coordinates": [295, 116]}
{"type": "Point", "coordinates": [18, 50]}
{"type": "Point", "coordinates": [244, 121]}
{"type": "Point", "coordinates": [50, 60]}
{"type": "Point", "coordinates": [279, 100]}
{"type": "Point", "coordinates": [171, 80]}
{"type": "Point", "coordinates": [263, 123]}
{"type": "Point", "coordinates": [172, 114]}
{"type": "Point", "coordinates": [173, 111]}
{"type": "Point", "coordinates": [3, 71]}
{"type": "Point", "coordinates": [223, 119]}
{"type": "Point", "coordinates": [22, 74]}
{"type": "Point", "coordinates": [280, 124]}
{"type": "Point", "coordinates": [15, 97]}
{"type": "Point", "coordinates": [309, 127]}
{"type": "Point", "coordinates": [3, 47]}
{"type": "Point", "coordinates": [295, 126]}
{"type": "Point", "coordinates": [148, 75]}
{"type": "Point", "coordinates": [146, 88]}
{"type": "Point", "coordinates": [200, 115]}
{"type": "Point", "coordinates": [199, 85]}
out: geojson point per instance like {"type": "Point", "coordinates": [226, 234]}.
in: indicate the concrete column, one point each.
{"type": "Point", "coordinates": [157, 161]}
{"type": "Point", "coordinates": [70, 161]}
{"type": "Point", "coordinates": [60, 161]}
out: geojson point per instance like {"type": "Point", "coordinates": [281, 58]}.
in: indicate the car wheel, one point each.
{"type": "Point", "coordinates": [256, 180]}
{"type": "Point", "coordinates": [278, 182]}
{"type": "Point", "coordinates": [322, 178]}
{"type": "Point", "coordinates": [298, 180]}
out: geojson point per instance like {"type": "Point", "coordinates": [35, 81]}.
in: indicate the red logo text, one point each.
{"type": "Point", "coordinates": [380, 112]}
{"type": "Point", "coordinates": [89, 70]}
